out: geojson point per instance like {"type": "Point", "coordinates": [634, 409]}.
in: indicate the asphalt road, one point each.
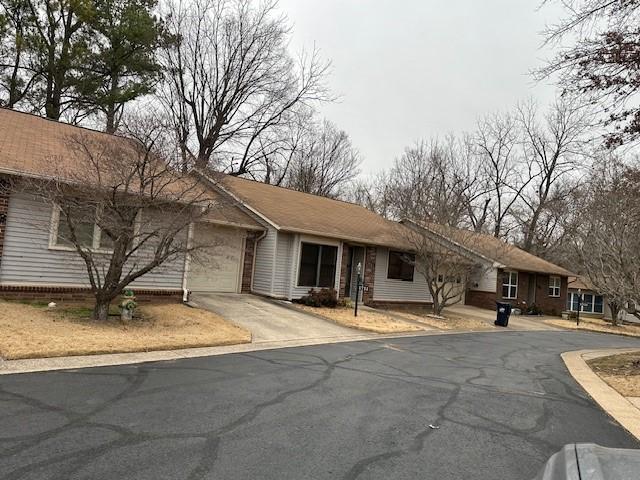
{"type": "Point", "coordinates": [503, 403]}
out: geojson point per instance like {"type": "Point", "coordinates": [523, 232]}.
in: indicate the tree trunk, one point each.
{"type": "Point", "coordinates": [101, 309]}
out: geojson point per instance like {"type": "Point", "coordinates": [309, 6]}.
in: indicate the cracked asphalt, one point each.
{"type": "Point", "coordinates": [504, 403]}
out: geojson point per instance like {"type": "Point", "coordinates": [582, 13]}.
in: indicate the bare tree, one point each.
{"type": "Point", "coordinates": [607, 239]}
{"type": "Point", "coordinates": [599, 61]}
{"type": "Point", "coordinates": [434, 181]}
{"type": "Point", "coordinates": [505, 172]}
{"type": "Point", "coordinates": [122, 208]}
{"type": "Point", "coordinates": [230, 79]}
{"type": "Point", "coordinates": [445, 265]}
{"type": "Point", "coordinates": [553, 147]}
{"type": "Point", "coordinates": [324, 162]}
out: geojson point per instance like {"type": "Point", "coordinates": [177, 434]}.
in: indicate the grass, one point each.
{"type": "Point", "coordinates": [621, 371]}
{"type": "Point", "coordinates": [448, 322]}
{"type": "Point", "coordinates": [368, 320]}
{"type": "Point", "coordinates": [32, 330]}
{"type": "Point", "coordinates": [596, 325]}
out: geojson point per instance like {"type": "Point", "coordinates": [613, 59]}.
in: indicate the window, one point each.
{"type": "Point", "coordinates": [87, 232]}
{"type": "Point", "coordinates": [317, 265]}
{"type": "Point", "coordinates": [554, 286]}
{"type": "Point", "coordinates": [510, 285]}
{"type": "Point", "coordinates": [590, 303]}
{"type": "Point", "coordinates": [400, 266]}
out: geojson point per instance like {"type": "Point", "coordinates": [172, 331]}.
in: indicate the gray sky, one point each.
{"type": "Point", "coordinates": [411, 69]}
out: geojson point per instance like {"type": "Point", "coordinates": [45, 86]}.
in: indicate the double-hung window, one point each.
{"type": "Point", "coordinates": [400, 266]}
{"type": "Point", "coordinates": [554, 286]}
{"type": "Point", "coordinates": [510, 285]}
{"type": "Point", "coordinates": [317, 265]}
{"type": "Point", "coordinates": [82, 223]}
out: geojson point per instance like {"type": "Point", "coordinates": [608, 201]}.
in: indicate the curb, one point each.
{"type": "Point", "coordinates": [34, 365]}
{"type": "Point", "coordinates": [614, 404]}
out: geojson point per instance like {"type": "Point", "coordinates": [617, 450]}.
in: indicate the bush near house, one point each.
{"type": "Point", "coordinates": [325, 297]}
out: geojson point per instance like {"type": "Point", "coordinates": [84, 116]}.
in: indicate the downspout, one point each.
{"type": "Point", "coordinates": [185, 270]}
{"type": "Point", "coordinates": [256, 241]}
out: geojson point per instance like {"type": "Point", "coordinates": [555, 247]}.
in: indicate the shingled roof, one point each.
{"type": "Point", "coordinates": [492, 248]}
{"type": "Point", "coordinates": [33, 146]}
{"type": "Point", "coordinates": [293, 211]}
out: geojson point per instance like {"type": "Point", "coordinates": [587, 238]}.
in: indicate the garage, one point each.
{"type": "Point", "coordinates": [218, 266]}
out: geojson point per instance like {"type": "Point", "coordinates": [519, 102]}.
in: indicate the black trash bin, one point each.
{"type": "Point", "coordinates": [503, 310]}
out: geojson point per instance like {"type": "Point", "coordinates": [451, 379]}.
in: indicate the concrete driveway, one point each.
{"type": "Point", "coordinates": [270, 322]}
{"type": "Point", "coordinates": [503, 402]}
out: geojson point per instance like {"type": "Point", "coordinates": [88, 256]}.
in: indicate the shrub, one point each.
{"type": "Point", "coordinates": [534, 310]}
{"type": "Point", "coordinates": [325, 297]}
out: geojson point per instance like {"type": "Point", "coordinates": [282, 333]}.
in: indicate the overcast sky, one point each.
{"type": "Point", "coordinates": [411, 69]}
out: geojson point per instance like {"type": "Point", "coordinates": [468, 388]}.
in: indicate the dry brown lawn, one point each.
{"type": "Point", "coordinates": [596, 325]}
{"type": "Point", "coordinates": [450, 322]}
{"type": "Point", "coordinates": [622, 372]}
{"type": "Point", "coordinates": [35, 331]}
{"type": "Point", "coordinates": [371, 321]}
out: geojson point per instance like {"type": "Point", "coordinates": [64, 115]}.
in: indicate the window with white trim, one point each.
{"type": "Point", "coordinates": [554, 286]}
{"type": "Point", "coordinates": [317, 265]}
{"type": "Point", "coordinates": [88, 234]}
{"type": "Point", "coordinates": [590, 303]}
{"type": "Point", "coordinates": [510, 285]}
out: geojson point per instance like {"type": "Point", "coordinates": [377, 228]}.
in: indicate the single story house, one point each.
{"type": "Point", "coordinates": [34, 259]}
{"type": "Point", "coordinates": [507, 273]}
{"type": "Point", "coordinates": [317, 242]}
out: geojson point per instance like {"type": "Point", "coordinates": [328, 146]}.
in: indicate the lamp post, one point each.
{"type": "Point", "coordinates": [358, 281]}
{"type": "Point", "coordinates": [579, 306]}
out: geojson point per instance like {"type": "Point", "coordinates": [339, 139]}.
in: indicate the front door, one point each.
{"type": "Point", "coordinates": [531, 299]}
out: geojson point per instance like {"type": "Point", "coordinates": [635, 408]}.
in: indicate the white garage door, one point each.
{"type": "Point", "coordinates": [216, 268]}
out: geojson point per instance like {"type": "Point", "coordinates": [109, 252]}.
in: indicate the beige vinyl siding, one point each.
{"type": "Point", "coordinates": [264, 261]}
{"type": "Point", "coordinates": [487, 280]}
{"type": "Point", "coordinates": [27, 259]}
{"type": "Point", "coordinates": [389, 290]}
{"type": "Point", "coordinates": [282, 273]}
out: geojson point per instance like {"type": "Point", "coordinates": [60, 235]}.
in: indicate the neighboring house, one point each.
{"type": "Point", "coordinates": [593, 304]}
{"type": "Point", "coordinates": [507, 273]}
{"type": "Point", "coordinates": [317, 242]}
{"type": "Point", "coordinates": [34, 259]}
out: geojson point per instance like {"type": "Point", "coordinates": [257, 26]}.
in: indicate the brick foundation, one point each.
{"type": "Point", "coordinates": [398, 305]}
{"type": "Point", "coordinates": [45, 293]}
{"type": "Point", "coordinates": [247, 267]}
{"type": "Point", "coordinates": [369, 275]}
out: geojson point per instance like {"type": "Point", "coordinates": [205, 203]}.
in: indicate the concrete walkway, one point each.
{"type": "Point", "coordinates": [624, 410]}
{"type": "Point", "coordinates": [270, 322]}
{"type": "Point", "coordinates": [517, 322]}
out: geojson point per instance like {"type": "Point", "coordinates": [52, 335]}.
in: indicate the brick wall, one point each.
{"type": "Point", "coordinates": [344, 266]}
{"type": "Point", "coordinates": [551, 305]}
{"type": "Point", "coordinates": [44, 293]}
{"type": "Point", "coordinates": [4, 209]}
{"type": "Point", "coordinates": [247, 267]}
{"type": "Point", "coordinates": [369, 274]}
{"type": "Point", "coordinates": [481, 299]}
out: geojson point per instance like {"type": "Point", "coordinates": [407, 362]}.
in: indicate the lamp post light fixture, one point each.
{"type": "Point", "coordinates": [358, 284]}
